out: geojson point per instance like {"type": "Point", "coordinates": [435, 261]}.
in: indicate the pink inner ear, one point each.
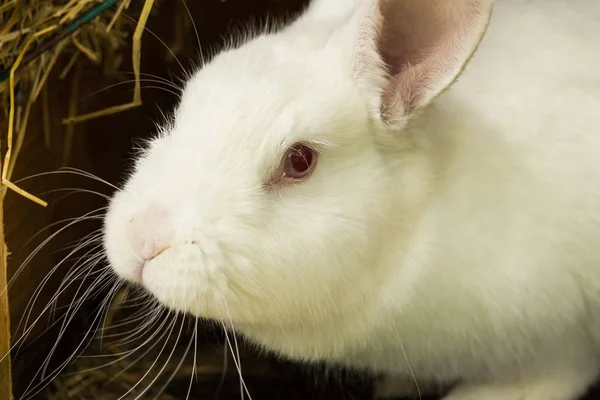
{"type": "Point", "coordinates": [424, 44]}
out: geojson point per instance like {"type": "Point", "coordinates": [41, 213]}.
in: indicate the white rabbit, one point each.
{"type": "Point", "coordinates": [319, 190]}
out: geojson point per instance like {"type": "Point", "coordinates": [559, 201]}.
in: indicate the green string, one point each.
{"type": "Point", "coordinates": [90, 15]}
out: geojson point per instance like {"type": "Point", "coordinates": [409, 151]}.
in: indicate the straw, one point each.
{"type": "Point", "coordinates": [48, 26]}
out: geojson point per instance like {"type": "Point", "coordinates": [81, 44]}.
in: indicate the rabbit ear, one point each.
{"type": "Point", "coordinates": [406, 52]}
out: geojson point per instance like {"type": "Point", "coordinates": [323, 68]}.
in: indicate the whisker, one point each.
{"type": "Point", "coordinates": [73, 221]}
{"type": "Point", "coordinates": [157, 77]}
{"type": "Point", "coordinates": [414, 378]}
{"type": "Point", "coordinates": [73, 190]}
{"type": "Point", "coordinates": [195, 360]}
{"type": "Point", "coordinates": [129, 321]}
{"type": "Point", "coordinates": [70, 315]}
{"type": "Point", "coordinates": [68, 170]}
{"type": "Point", "coordinates": [50, 326]}
{"type": "Point", "coordinates": [177, 368]}
{"type": "Point", "coordinates": [80, 172]}
{"type": "Point", "coordinates": [112, 295]}
{"type": "Point", "coordinates": [85, 263]}
{"type": "Point", "coordinates": [173, 324]}
{"type": "Point", "coordinates": [131, 337]}
{"type": "Point", "coordinates": [155, 87]}
{"type": "Point", "coordinates": [20, 341]}
{"type": "Point", "coordinates": [193, 23]}
{"type": "Point", "coordinates": [173, 89]}
{"type": "Point", "coordinates": [40, 386]}
{"type": "Point", "coordinates": [44, 282]}
{"type": "Point", "coordinates": [225, 368]}
{"type": "Point", "coordinates": [128, 353]}
{"type": "Point", "coordinates": [160, 40]}
{"type": "Point", "coordinates": [237, 361]}
{"type": "Point", "coordinates": [94, 237]}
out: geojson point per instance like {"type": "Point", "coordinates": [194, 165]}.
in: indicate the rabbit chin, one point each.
{"type": "Point", "coordinates": [184, 280]}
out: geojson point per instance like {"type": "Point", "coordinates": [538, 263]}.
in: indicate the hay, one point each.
{"type": "Point", "coordinates": [34, 36]}
{"type": "Point", "coordinates": [5, 367]}
{"type": "Point", "coordinates": [78, 27]}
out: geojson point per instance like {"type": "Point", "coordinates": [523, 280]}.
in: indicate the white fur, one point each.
{"type": "Point", "coordinates": [465, 248]}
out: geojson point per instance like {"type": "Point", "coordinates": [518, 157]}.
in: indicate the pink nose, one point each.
{"type": "Point", "coordinates": [147, 232]}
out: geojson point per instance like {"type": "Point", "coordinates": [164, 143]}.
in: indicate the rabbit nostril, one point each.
{"type": "Point", "coordinates": [147, 231]}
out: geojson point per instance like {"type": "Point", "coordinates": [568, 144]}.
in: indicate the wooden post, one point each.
{"type": "Point", "coordinates": [5, 364]}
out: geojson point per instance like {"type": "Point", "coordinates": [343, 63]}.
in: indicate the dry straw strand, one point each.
{"type": "Point", "coordinates": [20, 136]}
{"type": "Point", "coordinates": [5, 365]}
{"type": "Point", "coordinates": [117, 15]}
{"type": "Point", "coordinates": [39, 21]}
{"type": "Point", "coordinates": [69, 65]}
{"type": "Point", "coordinates": [94, 40]}
{"type": "Point", "coordinates": [11, 22]}
{"type": "Point", "coordinates": [49, 67]}
{"type": "Point", "coordinates": [46, 116]}
{"type": "Point", "coordinates": [7, 5]}
{"type": "Point", "coordinates": [89, 53]}
{"type": "Point", "coordinates": [65, 8]}
{"type": "Point", "coordinates": [11, 118]}
{"type": "Point", "coordinates": [136, 55]}
{"type": "Point", "coordinates": [37, 77]}
{"type": "Point", "coordinates": [73, 103]}
{"type": "Point", "coordinates": [74, 11]}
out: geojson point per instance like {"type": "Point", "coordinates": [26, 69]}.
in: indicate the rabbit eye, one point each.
{"type": "Point", "coordinates": [299, 161]}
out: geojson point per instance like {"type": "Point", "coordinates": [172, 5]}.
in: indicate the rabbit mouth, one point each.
{"type": "Point", "coordinates": [142, 266]}
{"type": "Point", "coordinates": [183, 278]}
